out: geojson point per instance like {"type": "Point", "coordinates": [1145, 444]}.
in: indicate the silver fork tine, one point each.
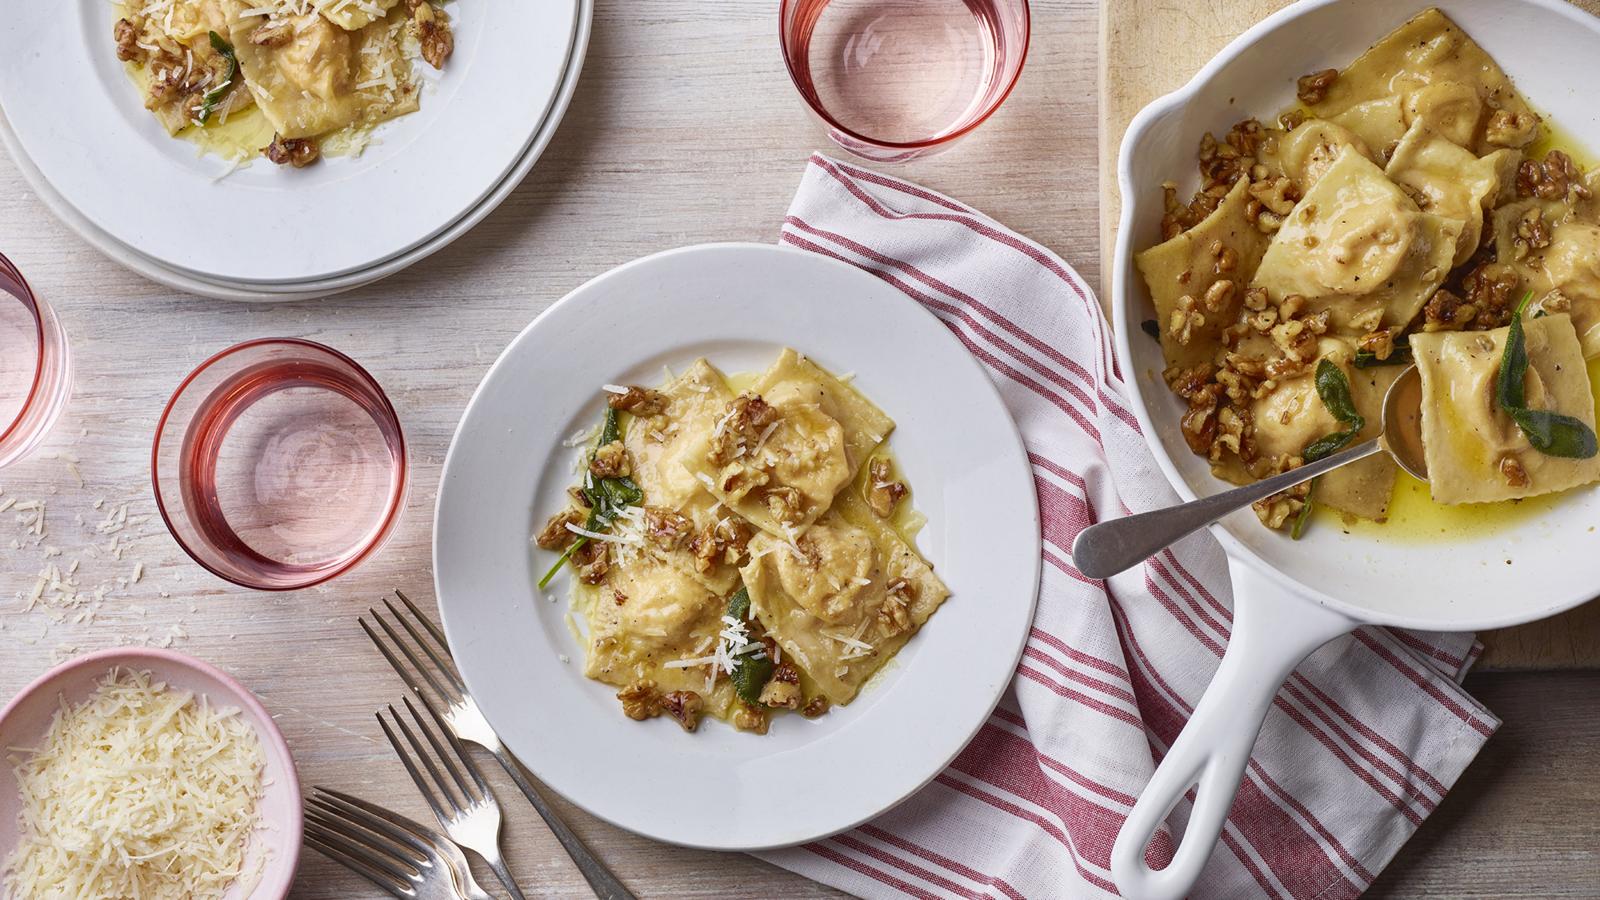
{"type": "Point", "coordinates": [374, 842]}
{"type": "Point", "coordinates": [361, 846]}
{"type": "Point", "coordinates": [446, 669]}
{"type": "Point", "coordinates": [449, 764]}
{"type": "Point", "coordinates": [455, 744]}
{"type": "Point", "coordinates": [365, 814]}
{"type": "Point", "coordinates": [426, 622]}
{"type": "Point", "coordinates": [475, 823]}
{"type": "Point", "coordinates": [348, 852]}
{"type": "Point", "coordinates": [355, 865]}
{"type": "Point", "coordinates": [401, 646]}
{"type": "Point", "coordinates": [431, 847]}
{"type": "Point", "coordinates": [416, 775]}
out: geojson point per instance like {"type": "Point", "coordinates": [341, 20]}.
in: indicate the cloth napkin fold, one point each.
{"type": "Point", "coordinates": [1361, 744]}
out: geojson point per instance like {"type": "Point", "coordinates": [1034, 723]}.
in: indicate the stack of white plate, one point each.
{"type": "Point", "coordinates": [75, 125]}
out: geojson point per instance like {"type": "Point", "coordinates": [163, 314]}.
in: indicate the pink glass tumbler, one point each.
{"type": "Point", "coordinates": [35, 367]}
{"type": "Point", "coordinates": [279, 464]}
{"type": "Point", "coordinates": [894, 80]}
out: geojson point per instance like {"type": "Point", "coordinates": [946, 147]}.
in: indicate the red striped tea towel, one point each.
{"type": "Point", "coordinates": [1363, 740]}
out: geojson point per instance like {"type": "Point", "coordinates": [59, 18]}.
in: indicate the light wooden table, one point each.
{"type": "Point", "coordinates": [684, 130]}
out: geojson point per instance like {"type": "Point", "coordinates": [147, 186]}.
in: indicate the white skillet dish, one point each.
{"type": "Point", "coordinates": [1292, 597]}
{"type": "Point", "coordinates": [508, 469]}
{"type": "Point", "coordinates": [79, 119]}
{"type": "Point", "coordinates": [311, 289]}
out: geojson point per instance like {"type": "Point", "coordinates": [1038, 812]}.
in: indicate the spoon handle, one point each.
{"type": "Point", "coordinates": [1108, 548]}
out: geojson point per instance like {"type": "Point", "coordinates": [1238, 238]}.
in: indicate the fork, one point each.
{"type": "Point", "coordinates": [463, 720]}
{"type": "Point", "coordinates": [331, 803]}
{"type": "Point", "coordinates": [396, 859]}
{"type": "Point", "coordinates": [472, 819]}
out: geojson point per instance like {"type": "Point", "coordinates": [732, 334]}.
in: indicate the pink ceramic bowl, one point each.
{"type": "Point", "coordinates": [25, 719]}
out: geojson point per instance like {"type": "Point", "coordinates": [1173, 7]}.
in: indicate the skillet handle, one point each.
{"type": "Point", "coordinates": [1273, 630]}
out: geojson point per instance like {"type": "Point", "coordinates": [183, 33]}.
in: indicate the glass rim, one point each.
{"type": "Point", "coordinates": [392, 506]}
{"type": "Point", "coordinates": [28, 299]}
{"type": "Point", "coordinates": [815, 104]}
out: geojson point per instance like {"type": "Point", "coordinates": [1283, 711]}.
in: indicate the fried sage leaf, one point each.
{"type": "Point", "coordinates": [1550, 433]}
{"type": "Point", "coordinates": [209, 102]}
{"type": "Point", "coordinates": [1334, 389]}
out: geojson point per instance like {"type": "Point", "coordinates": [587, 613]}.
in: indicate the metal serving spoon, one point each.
{"type": "Point", "coordinates": [1111, 547]}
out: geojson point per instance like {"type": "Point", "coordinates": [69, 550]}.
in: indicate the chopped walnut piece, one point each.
{"type": "Point", "coordinates": [1511, 129]}
{"type": "Point", "coordinates": [1186, 382]}
{"type": "Point", "coordinates": [665, 528]}
{"type": "Point", "coordinates": [1277, 196]}
{"type": "Point", "coordinates": [883, 492]}
{"type": "Point", "coordinates": [1515, 475]}
{"type": "Point", "coordinates": [641, 700]}
{"type": "Point", "coordinates": [749, 718]}
{"type": "Point", "coordinates": [1281, 509]}
{"type": "Point", "coordinates": [1491, 289]}
{"type": "Point", "coordinates": [127, 37]}
{"type": "Point", "coordinates": [685, 707]}
{"type": "Point", "coordinates": [610, 461]}
{"type": "Point", "coordinates": [273, 34]}
{"type": "Point", "coordinates": [817, 706]}
{"type": "Point", "coordinates": [1200, 422]}
{"type": "Point", "coordinates": [1379, 343]}
{"type": "Point", "coordinates": [1551, 178]}
{"type": "Point", "coordinates": [1179, 218]}
{"type": "Point", "coordinates": [782, 690]}
{"type": "Point", "coordinates": [1313, 89]}
{"type": "Point", "coordinates": [1226, 258]}
{"type": "Point", "coordinates": [785, 504]}
{"type": "Point", "coordinates": [592, 561]}
{"type": "Point", "coordinates": [1291, 120]}
{"type": "Point", "coordinates": [727, 541]}
{"type": "Point", "coordinates": [639, 401]}
{"type": "Point", "coordinates": [297, 152]}
{"type": "Point", "coordinates": [740, 429]}
{"type": "Point", "coordinates": [555, 535]}
{"type": "Point", "coordinates": [432, 31]}
{"type": "Point", "coordinates": [579, 497]}
{"type": "Point", "coordinates": [1556, 302]}
{"type": "Point", "coordinates": [1533, 233]}
{"type": "Point", "coordinates": [1219, 297]}
{"type": "Point", "coordinates": [1186, 317]}
{"type": "Point", "coordinates": [894, 616]}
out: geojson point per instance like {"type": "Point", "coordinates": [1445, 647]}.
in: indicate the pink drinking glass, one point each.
{"type": "Point", "coordinates": [894, 80]}
{"type": "Point", "coordinates": [279, 464]}
{"type": "Point", "coordinates": [35, 367]}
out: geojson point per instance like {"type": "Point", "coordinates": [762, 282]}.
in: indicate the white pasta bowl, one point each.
{"type": "Point", "coordinates": [274, 849]}
{"type": "Point", "coordinates": [1293, 596]}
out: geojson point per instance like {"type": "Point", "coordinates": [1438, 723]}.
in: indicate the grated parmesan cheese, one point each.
{"type": "Point", "coordinates": [139, 791]}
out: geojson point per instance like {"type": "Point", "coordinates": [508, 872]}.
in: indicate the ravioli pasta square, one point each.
{"type": "Point", "coordinates": [844, 600]}
{"type": "Point", "coordinates": [1358, 247]}
{"type": "Point", "coordinates": [782, 451]}
{"type": "Point", "coordinates": [1186, 267]}
{"type": "Point", "coordinates": [1455, 184]}
{"type": "Point", "coordinates": [1430, 68]}
{"type": "Point", "coordinates": [1475, 452]}
{"type": "Point", "coordinates": [659, 443]}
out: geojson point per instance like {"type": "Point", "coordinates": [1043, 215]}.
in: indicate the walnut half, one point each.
{"type": "Point", "coordinates": [883, 492]}
{"type": "Point", "coordinates": [297, 152]}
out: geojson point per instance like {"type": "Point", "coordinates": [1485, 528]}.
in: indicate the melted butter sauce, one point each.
{"type": "Point", "coordinates": [1415, 518]}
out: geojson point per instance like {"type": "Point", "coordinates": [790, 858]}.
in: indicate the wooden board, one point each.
{"type": "Point", "coordinates": [1151, 47]}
